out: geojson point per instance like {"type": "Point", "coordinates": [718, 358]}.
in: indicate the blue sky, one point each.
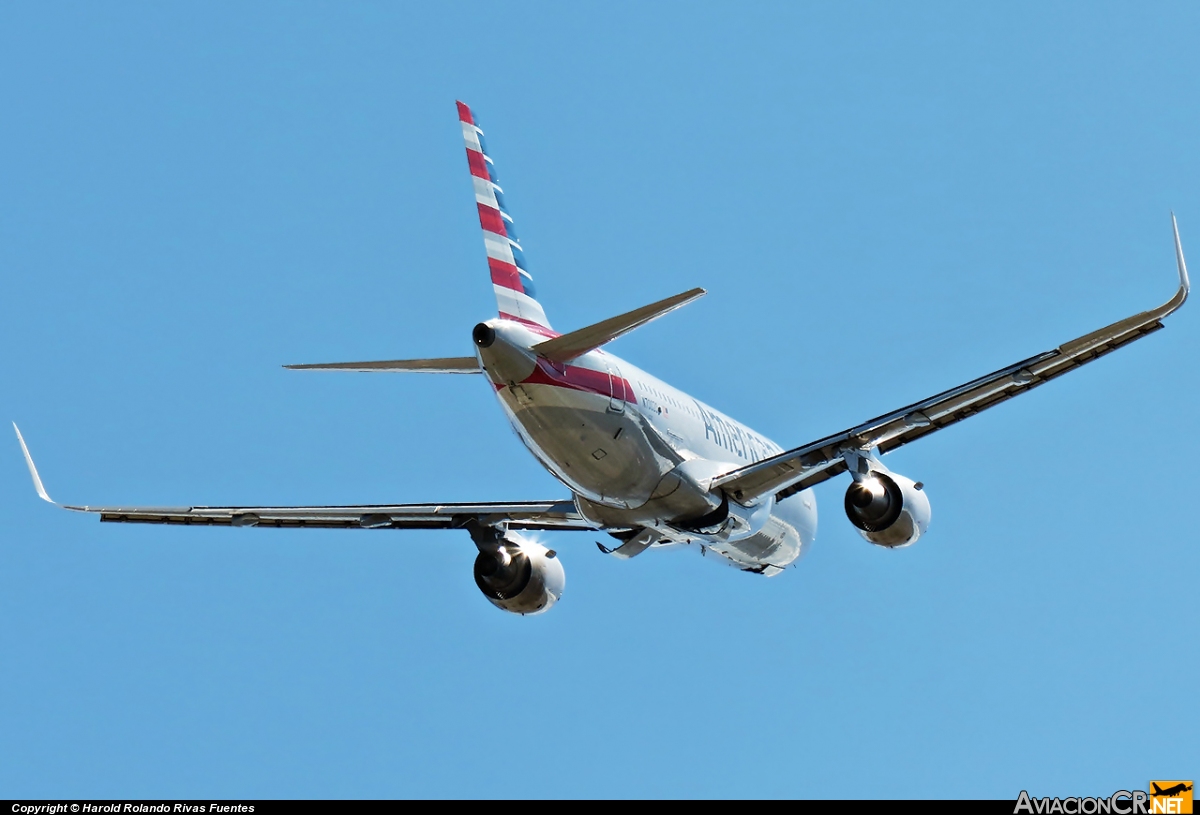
{"type": "Point", "coordinates": [882, 201]}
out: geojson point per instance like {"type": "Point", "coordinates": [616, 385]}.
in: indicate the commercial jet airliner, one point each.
{"type": "Point", "coordinates": [644, 462]}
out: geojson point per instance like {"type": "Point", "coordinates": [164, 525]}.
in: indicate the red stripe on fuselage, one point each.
{"type": "Point", "coordinates": [576, 378]}
{"type": "Point", "coordinates": [537, 328]}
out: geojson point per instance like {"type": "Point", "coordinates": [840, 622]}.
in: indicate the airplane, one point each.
{"type": "Point", "coordinates": [644, 462]}
{"type": "Point", "coordinates": [1170, 792]}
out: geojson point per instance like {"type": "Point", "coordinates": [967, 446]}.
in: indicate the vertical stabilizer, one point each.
{"type": "Point", "coordinates": [506, 261]}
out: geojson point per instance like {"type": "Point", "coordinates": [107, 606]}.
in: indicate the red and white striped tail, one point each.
{"type": "Point", "coordinates": [506, 260]}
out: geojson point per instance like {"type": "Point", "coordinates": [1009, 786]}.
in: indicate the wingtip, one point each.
{"type": "Point", "coordinates": [1184, 284]}
{"type": "Point", "coordinates": [37, 479]}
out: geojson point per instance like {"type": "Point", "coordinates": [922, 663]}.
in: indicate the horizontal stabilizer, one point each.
{"type": "Point", "coordinates": [448, 365]}
{"type": "Point", "coordinates": [577, 343]}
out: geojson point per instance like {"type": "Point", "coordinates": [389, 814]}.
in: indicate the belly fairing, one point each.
{"type": "Point", "coordinates": [784, 538]}
{"type": "Point", "coordinates": [605, 455]}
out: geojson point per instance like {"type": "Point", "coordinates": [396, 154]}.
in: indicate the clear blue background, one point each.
{"type": "Point", "coordinates": [883, 200]}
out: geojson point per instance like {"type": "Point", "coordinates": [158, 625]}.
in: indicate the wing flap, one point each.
{"type": "Point", "coordinates": [531, 516]}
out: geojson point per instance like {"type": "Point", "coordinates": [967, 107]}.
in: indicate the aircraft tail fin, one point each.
{"type": "Point", "coordinates": [511, 280]}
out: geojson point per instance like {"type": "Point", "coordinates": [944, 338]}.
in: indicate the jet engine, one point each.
{"type": "Point", "coordinates": [520, 576]}
{"type": "Point", "coordinates": [888, 509]}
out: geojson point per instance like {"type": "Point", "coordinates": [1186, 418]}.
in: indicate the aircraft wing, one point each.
{"type": "Point", "coordinates": [542, 515]}
{"type": "Point", "coordinates": [794, 470]}
{"type": "Point", "coordinates": [533, 515]}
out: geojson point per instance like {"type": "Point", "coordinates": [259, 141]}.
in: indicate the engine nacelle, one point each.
{"type": "Point", "coordinates": [520, 576]}
{"type": "Point", "coordinates": [888, 509]}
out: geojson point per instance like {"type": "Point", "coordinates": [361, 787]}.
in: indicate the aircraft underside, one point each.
{"type": "Point", "coordinates": [626, 475]}
{"type": "Point", "coordinates": [645, 463]}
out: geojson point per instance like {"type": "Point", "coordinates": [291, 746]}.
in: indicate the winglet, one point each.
{"type": "Point", "coordinates": [37, 479]}
{"type": "Point", "coordinates": [1184, 285]}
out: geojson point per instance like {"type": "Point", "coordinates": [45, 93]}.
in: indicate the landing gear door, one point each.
{"type": "Point", "coordinates": [616, 384]}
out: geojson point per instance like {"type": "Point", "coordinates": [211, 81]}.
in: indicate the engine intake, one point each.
{"type": "Point", "coordinates": [520, 576]}
{"type": "Point", "coordinates": [888, 509]}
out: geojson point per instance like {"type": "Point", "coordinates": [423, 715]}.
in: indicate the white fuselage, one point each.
{"type": "Point", "coordinates": [638, 453]}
